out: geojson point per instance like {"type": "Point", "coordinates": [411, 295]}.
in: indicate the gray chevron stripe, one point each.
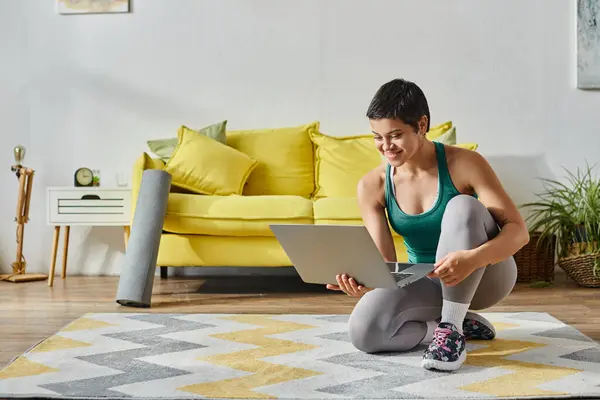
{"type": "Point", "coordinates": [565, 332]}
{"type": "Point", "coordinates": [132, 369]}
{"type": "Point", "coordinates": [379, 387]}
{"type": "Point", "coordinates": [591, 355]}
{"type": "Point", "coordinates": [339, 336]}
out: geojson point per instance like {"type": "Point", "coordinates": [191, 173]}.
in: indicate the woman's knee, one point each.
{"type": "Point", "coordinates": [466, 212]}
{"type": "Point", "coordinates": [365, 324]}
{"type": "Point", "coordinates": [463, 210]}
{"type": "Point", "coordinates": [364, 334]}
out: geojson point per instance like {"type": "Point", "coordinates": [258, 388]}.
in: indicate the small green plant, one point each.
{"type": "Point", "coordinates": [540, 284]}
{"type": "Point", "coordinates": [570, 212]}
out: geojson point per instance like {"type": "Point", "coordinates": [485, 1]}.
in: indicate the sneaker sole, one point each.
{"type": "Point", "coordinates": [483, 321]}
{"type": "Point", "coordinates": [445, 365]}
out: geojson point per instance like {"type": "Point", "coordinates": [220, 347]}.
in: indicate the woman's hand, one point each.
{"type": "Point", "coordinates": [454, 267]}
{"type": "Point", "coordinates": [349, 286]}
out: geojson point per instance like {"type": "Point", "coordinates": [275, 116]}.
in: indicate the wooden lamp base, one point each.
{"type": "Point", "coordinates": [24, 278]}
{"type": "Point", "coordinates": [25, 176]}
{"type": "Point", "coordinates": [21, 276]}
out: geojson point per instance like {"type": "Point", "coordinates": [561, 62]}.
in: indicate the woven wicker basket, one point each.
{"type": "Point", "coordinates": [580, 268]}
{"type": "Point", "coordinates": [536, 261]}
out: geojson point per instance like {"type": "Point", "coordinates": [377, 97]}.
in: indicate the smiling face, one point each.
{"type": "Point", "coordinates": [398, 141]}
{"type": "Point", "coordinates": [399, 118]}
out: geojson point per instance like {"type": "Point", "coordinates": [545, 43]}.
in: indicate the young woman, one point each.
{"type": "Point", "coordinates": [451, 209]}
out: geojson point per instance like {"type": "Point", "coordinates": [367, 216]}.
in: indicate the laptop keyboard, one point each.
{"type": "Point", "coordinates": [398, 276]}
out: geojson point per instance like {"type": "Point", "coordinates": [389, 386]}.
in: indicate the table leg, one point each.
{"type": "Point", "coordinates": [53, 259]}
{"type": "Point", "coordinates": [126, 231]}
{"type": "Point", "coordinates": [65, 252]}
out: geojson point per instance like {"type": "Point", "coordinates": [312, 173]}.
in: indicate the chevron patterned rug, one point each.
{"type": "Point", "coordinates": [199, 356]}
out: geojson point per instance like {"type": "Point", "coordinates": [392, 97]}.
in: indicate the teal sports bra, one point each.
{"type": "Point", "coordinates": [421, 232]}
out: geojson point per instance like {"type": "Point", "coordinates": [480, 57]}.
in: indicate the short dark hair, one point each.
{"type": "Point", "coordinates": [400, 99]}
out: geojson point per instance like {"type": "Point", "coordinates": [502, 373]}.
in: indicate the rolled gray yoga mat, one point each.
{"type": "Point", "coordinates": [139, 264]}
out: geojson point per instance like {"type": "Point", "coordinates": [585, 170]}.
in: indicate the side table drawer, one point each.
{"type": "Point", "coordinates": [109, 207]}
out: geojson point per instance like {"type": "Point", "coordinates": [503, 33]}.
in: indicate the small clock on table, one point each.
{"type": "Point", "coordinates": [84, 177]}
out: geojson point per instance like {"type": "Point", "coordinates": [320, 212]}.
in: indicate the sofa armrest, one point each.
{"type": "Point", "coordinates": [143, 163]}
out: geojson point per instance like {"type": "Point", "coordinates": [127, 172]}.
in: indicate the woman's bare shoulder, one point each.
{"type": "Point", "coordinates": [459, 156]}
{"type": "Point", "coordinates": [462, 164]}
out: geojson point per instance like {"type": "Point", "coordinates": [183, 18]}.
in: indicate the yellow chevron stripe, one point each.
{"type": "Point", "coordinates": [22, 367]}
{"type": "Point", "coordinates": [85, 324]}
{"type": "Point", "coordinates": [501, 326]}
{"type": "Point", "coordinates": [57, 342]}
{"type": "Point", "coordinates": [262, 373]}
{"type": "Point", "coordinates": [524, 377]}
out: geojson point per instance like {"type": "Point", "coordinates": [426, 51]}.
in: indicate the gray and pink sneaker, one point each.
{"type": "Point", "coordinates": [447, 351]}
{"type": "Point", "coordinates": [476, 327]}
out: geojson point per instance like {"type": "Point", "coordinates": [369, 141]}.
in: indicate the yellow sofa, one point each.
{"type": "Point", "coordinates": [302, 176]}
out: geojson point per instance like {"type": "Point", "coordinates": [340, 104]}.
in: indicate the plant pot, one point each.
{"type": "Point", "coordinates": [581, 235]}
{"type": "Point", "coordinates": [581, 248]}
{"type": "Point", "coordinates": [536, 260]}
{"type": "Point", "coordinates": [580, 268]}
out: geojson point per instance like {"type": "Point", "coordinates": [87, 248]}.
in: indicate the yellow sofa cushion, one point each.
{"type": "Point", "coordinates": [285, 159]}
{"type": "Point", "coordinates": [234, 215]}
{"type": "Point", "coordinates": [438, 130]}
{"type": "Point", "coordinates": [338, 210]}
{"type": "Point", "coordinates": [340, 162]}
{"type": "Point", "coordinates": [343, 210]}
{"type": "Point", "coordinates": [448, 137]}
{"type": "Point", "coordinates": [203, 165]}
{"type": "Point", "coordinates": [164, 148]}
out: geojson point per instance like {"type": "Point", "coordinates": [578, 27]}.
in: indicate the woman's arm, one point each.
{"type": "Point", "coordinates": [371, 203]}
{"type": "Point", "coordinates": [513, 230]}
{"type": "Point", "coordinates": [370, 193]}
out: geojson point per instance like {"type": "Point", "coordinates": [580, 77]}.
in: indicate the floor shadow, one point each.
{"type": "Point", "coordinates": [259, 284]}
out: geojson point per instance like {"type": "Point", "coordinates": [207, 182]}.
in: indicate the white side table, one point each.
{"type": "Point", "coordinates": [75, 206]}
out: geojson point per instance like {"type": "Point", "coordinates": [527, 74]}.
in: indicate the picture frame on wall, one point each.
{"type": "Point", "coordinates": [92, 6]}
{"type": "Point", "coordinates": [588, 44]}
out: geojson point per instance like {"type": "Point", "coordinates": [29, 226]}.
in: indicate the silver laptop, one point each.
{"type": "Point", "coordinates": [320, 252]}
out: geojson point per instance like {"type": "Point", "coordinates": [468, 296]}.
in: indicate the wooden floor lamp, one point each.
{"type": "Point", "coordinates": [25, 177]}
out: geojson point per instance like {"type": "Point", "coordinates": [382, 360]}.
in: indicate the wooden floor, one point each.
{"type": "Point", "coordinates": [30, 312]}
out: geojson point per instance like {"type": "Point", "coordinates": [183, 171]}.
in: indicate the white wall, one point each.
{"type": "Point", "coordinates": [90, 89]}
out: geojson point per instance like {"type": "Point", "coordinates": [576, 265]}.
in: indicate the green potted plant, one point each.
{"type": "Point", "coordinates": [569, 213]}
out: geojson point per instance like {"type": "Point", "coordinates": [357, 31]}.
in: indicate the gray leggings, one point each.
{"type": "Point", "coordinates": [394, 319]}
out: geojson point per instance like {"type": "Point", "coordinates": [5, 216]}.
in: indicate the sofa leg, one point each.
{"type": "Point", "coordinates": [164, 272]}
